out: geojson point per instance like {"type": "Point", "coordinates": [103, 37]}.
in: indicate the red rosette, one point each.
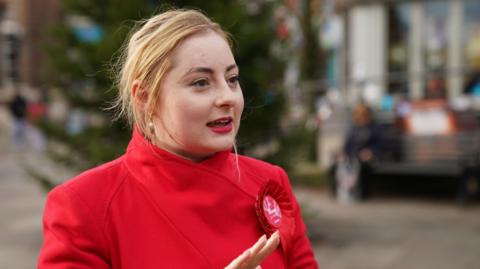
{"type": "Point", "coordinates": [275, 211]}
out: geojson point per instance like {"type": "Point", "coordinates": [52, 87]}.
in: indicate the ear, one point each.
{"type": "Point", "coordinates": [139, 95]}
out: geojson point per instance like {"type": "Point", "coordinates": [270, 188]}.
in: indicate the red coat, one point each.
{"type": "Point", "coordinates": [151, 209]}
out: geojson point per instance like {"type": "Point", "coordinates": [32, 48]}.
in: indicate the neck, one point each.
{"type": "Point", "coordinates": [183, 153]}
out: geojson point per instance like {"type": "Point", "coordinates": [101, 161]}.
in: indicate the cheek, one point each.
{"type": "Point", "coordinates": [190, 112]}
{"type": "Point", "coordinates": [240, 104]}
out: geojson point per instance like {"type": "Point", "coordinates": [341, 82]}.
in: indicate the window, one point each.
{"type": "Point", "coordinates": [436, 45]}
{"type": "Point", "coordinates": [398, 33]}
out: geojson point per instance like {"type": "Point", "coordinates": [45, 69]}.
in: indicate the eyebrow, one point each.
{"type": "Point", "coordinates": [208, 70]}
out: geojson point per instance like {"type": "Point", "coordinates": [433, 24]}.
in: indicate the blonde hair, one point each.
{"type": "Point", "coordinates": [146, 58]}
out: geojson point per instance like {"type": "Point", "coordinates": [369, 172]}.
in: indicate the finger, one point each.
{"type": "Point", "coordinates": [258, 267]}
{"type": "Point", "coordinates": [246, 256]}
{"type": "Point", "coordinates": [259, 245]}
{"type": "Point", "coordinates": [270, 246]}
{"type": "Point", "coordinates": [254, 250]}
{"type": "Point", "coordinates": [240, 260]}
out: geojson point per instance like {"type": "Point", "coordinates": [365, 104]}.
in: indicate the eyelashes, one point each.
{"type": "Point", "coordinates": [234, 80]}
{"type": "Point", "coordinates": [202, 83]}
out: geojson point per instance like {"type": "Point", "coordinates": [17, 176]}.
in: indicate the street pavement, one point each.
{"type": "Point", "coordinates": [21, 205]}
{"type": "Point", "coordinates": [21, 197]}
{"type": "Point", "coordinates": [395, 232]}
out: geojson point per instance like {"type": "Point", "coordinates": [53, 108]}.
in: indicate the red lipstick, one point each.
{"type": "Point", "coordinates": [221, 125]}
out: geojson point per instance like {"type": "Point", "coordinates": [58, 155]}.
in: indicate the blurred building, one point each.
{"type": "Point", "coordinates": [421, 49]}
{"type": "Point", "coordinates": [378, 51]}
{"type": "Point", "coordinates": [23, 26]}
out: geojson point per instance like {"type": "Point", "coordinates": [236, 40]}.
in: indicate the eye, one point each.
{"type": "Point", "coordinates": [200, 83]}
{"type": "Point", "coordinates": [233, 80]}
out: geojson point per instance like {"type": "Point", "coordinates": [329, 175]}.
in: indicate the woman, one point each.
{"type": "Point", "coordinates": [362, 146]}
{"type": "Point", "coordinates": [178, 197]}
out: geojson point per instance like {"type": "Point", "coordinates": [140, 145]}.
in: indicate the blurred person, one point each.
{"type": "Point", "coordinates": [362, 145]}
{"type": "Point", "coordinates": [18, 110]}
{"type": "Point", "coordinates": [178, 197]}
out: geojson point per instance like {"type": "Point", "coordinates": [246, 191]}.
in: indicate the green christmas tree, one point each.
{"type": "Point", "coordinates": [80, 66]}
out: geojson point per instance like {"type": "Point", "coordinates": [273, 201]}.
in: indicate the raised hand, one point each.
{"type": "Point", "coordinates": [252, 257]}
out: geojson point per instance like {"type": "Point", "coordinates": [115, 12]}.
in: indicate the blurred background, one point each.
{"type": "Point", "coordinates": [373, 108]}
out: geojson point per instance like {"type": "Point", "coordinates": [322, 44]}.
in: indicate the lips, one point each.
{"type": "Point", "coordinates": [221, 125]}
{"type": "Point", "coordinates": [220, 122]}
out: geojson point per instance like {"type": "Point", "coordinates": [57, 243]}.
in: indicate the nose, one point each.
{"type": "Point", "coordinates": [226, 96]}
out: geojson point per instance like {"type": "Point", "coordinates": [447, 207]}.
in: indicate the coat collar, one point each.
{"type": "Point", "coordinates": [152, 165]}
{"type": "Point", "coordinates": [153, 153]}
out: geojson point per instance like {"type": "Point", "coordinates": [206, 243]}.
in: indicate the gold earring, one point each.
{"type": "Point", "coordinates": [151, 127]}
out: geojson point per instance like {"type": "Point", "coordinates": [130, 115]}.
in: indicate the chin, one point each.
{"type": "Point", "coordinates": [228, 146]}
{"type": "Point", "coordinates": [222, 145]}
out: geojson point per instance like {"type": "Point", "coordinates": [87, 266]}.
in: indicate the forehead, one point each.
{"type": "Point", "coordinates": [203, 49]}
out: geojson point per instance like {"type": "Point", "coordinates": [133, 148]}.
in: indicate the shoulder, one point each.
{"type": "Point", "coordinates": [75, 212]}
{"type": "Point", "coordinates": [252, 163]}
{"type": "Point", "coordinates": [261, 169]}
{"type": "Point", "coordinates": [93, 188]}
{"type": "Point", "coordinates": [105, 176]}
